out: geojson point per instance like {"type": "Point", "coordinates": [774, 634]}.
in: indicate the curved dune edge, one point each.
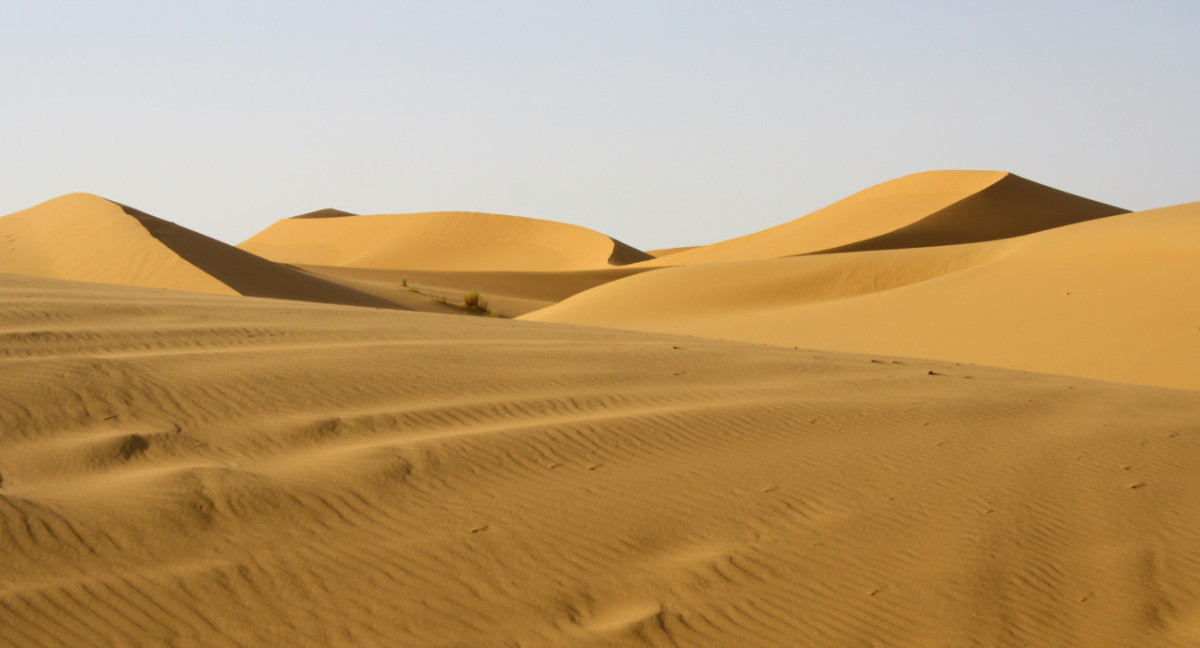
{"type": "Point", "coordinates": [919, 210]}
{"type": "Point", "coordinates": [246, 273]}
{"type": "Point", "coordinates": [1013, 206]}
{"type": "Point", "coordinates": [669, 251]}
{"type": "Point", "coordinates": [442, 241]}
{"type": "Point", "coordinates": [327, 212]}
{"type": "Point", "coordinates": [83, 237]}
{"type": "Point", "coordinates": [1100, 299]}
{"type": "Point", "coordinates": [87, 238]}
{"type": "Point", "coordinates": [188, 469]}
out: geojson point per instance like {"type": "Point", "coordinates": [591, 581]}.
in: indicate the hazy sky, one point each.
{"type": "Point", "coordinates": [659, 123]}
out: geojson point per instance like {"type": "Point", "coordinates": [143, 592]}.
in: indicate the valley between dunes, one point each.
{"type": "Point", "coordinates": [958, 408]}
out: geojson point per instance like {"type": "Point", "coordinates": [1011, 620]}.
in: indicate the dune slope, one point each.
{"type": "Point", "coordinates": [1103, 299]}
{"type": "Point", "coordinates": [918, 210]}
{"type": "Point", "coordinates": [508, 294]}
{"type": "Point", "coordinates": [185, 469]}
{"type": "Point", "coordinates": [87, 238]}
{"type": "Point", "coordinates": [446, 241]}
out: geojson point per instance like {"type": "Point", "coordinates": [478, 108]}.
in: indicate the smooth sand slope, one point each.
{"type": "Point", "coordinates": [505, 293]}
{"type": "Point", "coordinates": [1113, 298]}
{"type": "Point", "coordinates": [444, 241]}
{"type": "Point", "coordinates": [918, 210]}
{"type": "Point", "coordinates": [87, 238]}
{"type": "Point", "coordinates": [184, 469]}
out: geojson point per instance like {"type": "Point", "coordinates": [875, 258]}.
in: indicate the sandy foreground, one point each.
{"type": "Point", "coordinates": [318, 438]}
{"type": "Point", "coordinates": [189, 469]}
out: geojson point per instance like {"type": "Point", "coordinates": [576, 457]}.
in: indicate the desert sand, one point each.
{"type": "Point", "coordinates": [918, 210]}
{"type": "Point", "coordinates": [958, 408]}
{"type": "Point", "coordinates": [450, 241]}
{"type": "Point", "coordinates": [84, 237]}
{"type": "Point", "coordinates": [523, 264]}
{"type": "Point", "coordinates": [1112, 298]}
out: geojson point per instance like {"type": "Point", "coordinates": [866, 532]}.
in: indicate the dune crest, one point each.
{"type": "Point", "coordinates": [918, 210]}
{"type": "Point", "coordinates": [1012, 206]}
{"type": "Point", "coordinates": [84, 237]}
{"type": "Point", "coordinates": [87, 238]}
{"type": "Point", "coordinates": [1100, 299]}
{"type": "Point", "coordinates": [189, 469]}
{"type": "Point", "coordinates": [444, 241]}
{"type": "Point", "coordinates": [327, 212]}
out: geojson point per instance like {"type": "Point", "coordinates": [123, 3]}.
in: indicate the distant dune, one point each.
{"type": "Point", "coordinates": [328, 212]}
{"type": "Point", "coordinates": [919, 210]}
{"type": "Point", "coordinates": [443, 241]}
{"type": "Point", "coordinates": [204, 470]}
{"type": "Point", "coordinates": [829, 461]}
{"type": "Point", "coordinates": [87, 238]}
{"type": "Point", "coordinates": [1107, 298]}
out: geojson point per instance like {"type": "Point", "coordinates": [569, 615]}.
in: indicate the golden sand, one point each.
{"type": "Point", "coordinates": [186, 463]}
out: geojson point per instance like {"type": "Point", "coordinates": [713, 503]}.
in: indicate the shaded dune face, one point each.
{"type": "Point", "coordinates": [1099, 298]}
{"type": "Point", "coordinates": [444, 241]}
{"type": "Point", "coordinates": [87, 238]}
{"type": "Point", "coordinates": [184, 464]}
{"type": "Point", "coordinates": [246, 273]}
{"type": "Point", "coordinates": [1010, 207]}
{"type": "Point", "coordinates": [196, 470]}
{"type": "Point", "coordinates": [919, 210]}
{"type": "Point", "coordinates": [328, 212]}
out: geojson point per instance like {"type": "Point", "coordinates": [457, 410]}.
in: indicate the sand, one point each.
{"type": "Point", "coordinates": [203, 470]}
{"type": "Point", "coordinates": [448, 241]}
{"type": "Point", "coordinates": [1103, 299]}
{"type": "Point", "coordinates": [788, 438]}
{"type": "Point", "coordinates": [84, 237]}
{"type": "Point", "coordinates": [918, 210]}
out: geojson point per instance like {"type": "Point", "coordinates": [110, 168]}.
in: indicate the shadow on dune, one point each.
{"type": "Point", "coordinates": [1011, 207]}
{"type": "Point", "coordinates": [624, 254]}
{"type": "Point", "coordinates": [328, 212]}
{"type": "Point", "coordinates": [246, 273]}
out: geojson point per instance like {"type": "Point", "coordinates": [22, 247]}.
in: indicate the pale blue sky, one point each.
{"type": "Point", "coordinates": [660, 123]}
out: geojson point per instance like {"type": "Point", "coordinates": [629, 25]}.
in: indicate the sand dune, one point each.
{"type": "Point", "coordinates": [189, 469]}
{"type": "Point", "coordinates": [185, 469]}
{"type": "Point", "coordinates": [1106, 299]}
{"type": "Point", "coordinates": [507, 294]}
{"type": "Point", "coordinates": [923, 209]}
{"type": "Point", "coordinates": [327, 212]}
{"type": "Point", "coordinates": [87, 238]}
{"type": "Point", "coordinates": [667, 251]}
{"type": "Point", "coordinates": [445, 241]}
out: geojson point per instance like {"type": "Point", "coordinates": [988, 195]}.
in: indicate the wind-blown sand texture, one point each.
{"type": "Point", "coordinates": [183, 463]}
{"type": "Point", "coordinates": [188, 469]}
{"type": "Point", "coordinates": [448, 241]}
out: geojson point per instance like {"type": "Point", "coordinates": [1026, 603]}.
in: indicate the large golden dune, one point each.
{"type": "Point", "coordinates": [453, 241]}
{"type": "Point", "coordinates": [1107, 298]}
{"type": "Point", "coordinates": [83, 237]}
{"type": "Point", "coordinates": [918, 210]}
